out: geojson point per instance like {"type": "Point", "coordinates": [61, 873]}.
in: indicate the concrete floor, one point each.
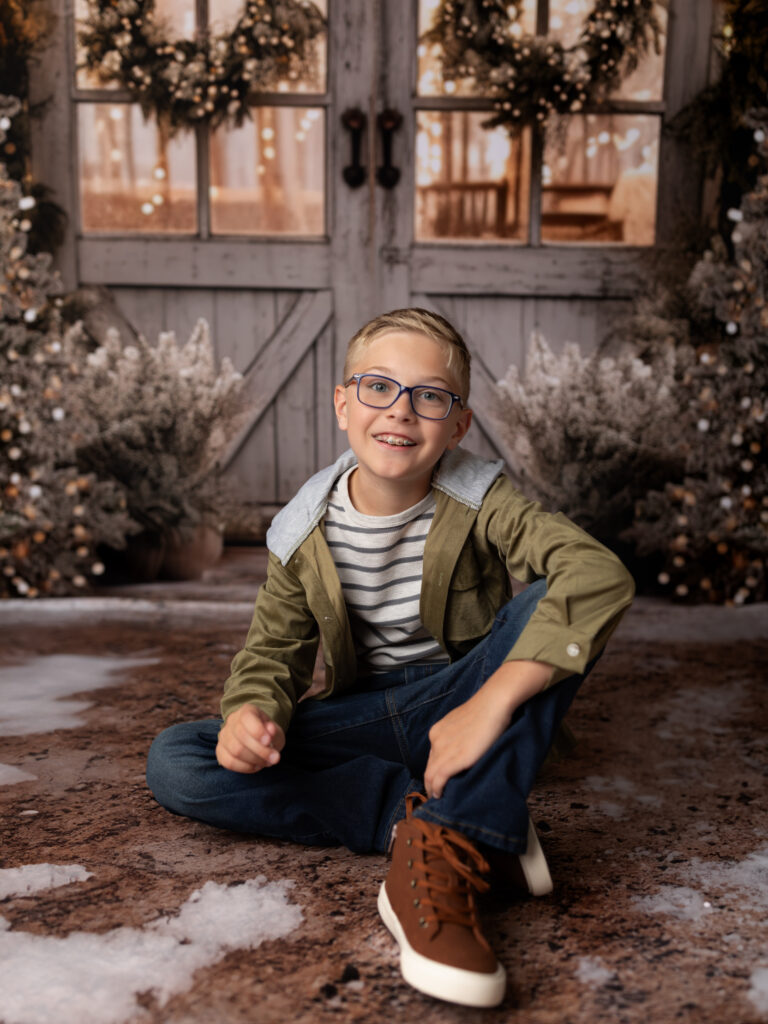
{"type": "Point", "coordinates": [655, 827]}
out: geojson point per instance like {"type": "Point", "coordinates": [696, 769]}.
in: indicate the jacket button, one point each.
{"type": "Point", "coordinates": [573, 650]}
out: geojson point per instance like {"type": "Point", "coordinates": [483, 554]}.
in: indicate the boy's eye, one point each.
{"type": "Point", "coordinates": [376, 384]}
{"type": "Point", "coordinates": [430, 396]}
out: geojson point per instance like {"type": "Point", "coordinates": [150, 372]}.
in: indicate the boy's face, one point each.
{"type": "Point", "coordinates": [377, 436]}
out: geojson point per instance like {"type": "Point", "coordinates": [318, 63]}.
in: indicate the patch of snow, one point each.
{"type": "Point", "coordinates": [158, 612]}
{"type": "Point", "coordinates": [656, 621]}
{"type": "Point", "coordinates": [9, 775]}
{"type": "Point", "coordinates": [678, 901]}
{"type": "Point", "coordinates": [701, 709]}
{"type": "Point", "coordinates": [87, 978]}
{"type": "Point", "coordinates": [34, 877]}
{"type": "Point", "coordinates": [592, 971]}
{"type": "Point", "coordinates": [32, 695]}
{"type": "Point", "coordinates": [758, 990]}
{"type": "Point", "coordinates": [618, 786]}
{"type": "Point", "coordinates": [610, 809]}
{"type": "Point", "coordinates": [747, 879]}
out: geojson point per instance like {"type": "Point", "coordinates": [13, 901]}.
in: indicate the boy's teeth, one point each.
{"type": "Point", "coordinates": [390, 439]}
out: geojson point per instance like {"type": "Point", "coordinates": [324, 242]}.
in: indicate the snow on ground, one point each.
{"type": "Point", "coordinates": [758, 992]}
{"type": "Point", "coordinates": [592, 971]}
{"type": "Point", "coordinates": [88, 978]}
{"type": "Point", "coordinates": [618, 786]}
{"type": "Point", "coordinates": [32, 695]}
{"type": "Point", "coordinates": [34, 877]}
{"type": "Point", "coordinates": [745, 882]}
{"type": "Point", "coordinates": [703, 709]}
{"type": "Point", "coordinates": [742, 884]}
{"type": "Point", "coordinates": [9, 775]}
{"type": "Point", "coordinates": [678, 901]}
{"type": "Point", "coordinates": [157, 612]}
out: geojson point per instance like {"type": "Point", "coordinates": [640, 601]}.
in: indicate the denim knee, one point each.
{"type": "Point", "coordinates": [171, 762]}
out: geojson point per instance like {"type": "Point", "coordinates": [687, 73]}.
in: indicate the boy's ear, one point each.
{"type": "Point", "coordinates": [462, 426]}
{"type": "Point", "coordinates": [340, 405]}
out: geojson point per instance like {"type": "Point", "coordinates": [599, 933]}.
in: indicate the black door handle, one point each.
{"type": "Point", "coordinates": [354, 120]}
{"type": "Point", "coordinates": [388, 121]}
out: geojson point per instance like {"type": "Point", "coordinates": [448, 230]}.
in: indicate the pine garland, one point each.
{"type": "Point", "coordinates": [533, 79]}
{"type": "Point", "coordinates": [208, 80]}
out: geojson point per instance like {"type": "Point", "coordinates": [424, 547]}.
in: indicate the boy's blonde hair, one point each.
{"type": "Point", "coordinates": [415, 321]}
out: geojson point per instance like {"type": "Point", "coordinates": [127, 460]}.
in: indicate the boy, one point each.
{"type": "Point", "coordinates": [442, 695]}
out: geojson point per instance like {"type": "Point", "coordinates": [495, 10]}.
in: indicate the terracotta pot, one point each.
{"type": "Point", "coordinates": [189, 553]}
{"type": "Point", "coordinates": [138, 562]}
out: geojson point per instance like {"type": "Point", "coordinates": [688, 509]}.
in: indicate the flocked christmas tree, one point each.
{"type": "Point", "coordinates": [712, 524]}
{"type": "Point", "coordinates": [52, 517]}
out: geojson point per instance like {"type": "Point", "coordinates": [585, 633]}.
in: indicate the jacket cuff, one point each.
{"type": "Point", "coordinates": [565, 648]}
{"type": "Point", "coordinates": [281, 714]}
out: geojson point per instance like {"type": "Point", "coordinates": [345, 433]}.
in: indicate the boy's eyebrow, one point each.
{"type": "Point", "coordinates": [388, 373]}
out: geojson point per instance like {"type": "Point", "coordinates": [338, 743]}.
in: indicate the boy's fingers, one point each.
{"type": "Point", "coordinates": [261, 727]}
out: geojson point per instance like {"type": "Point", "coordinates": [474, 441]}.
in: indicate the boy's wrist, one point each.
{"type": "Point", "coordinates": [515, 682]}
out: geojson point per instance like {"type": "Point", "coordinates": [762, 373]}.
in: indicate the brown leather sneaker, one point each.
{"type": "Point", "coordinates": [427, 902]}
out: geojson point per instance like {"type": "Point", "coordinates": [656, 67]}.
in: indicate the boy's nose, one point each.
{"type": "Point", "coordinates": [401, 406]}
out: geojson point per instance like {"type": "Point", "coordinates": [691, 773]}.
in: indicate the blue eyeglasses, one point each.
{"type": "Point", "coordinates": [382, 392]}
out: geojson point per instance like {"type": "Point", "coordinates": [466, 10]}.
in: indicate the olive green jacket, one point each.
{"type": "Point", "coordinates": [483, 532]}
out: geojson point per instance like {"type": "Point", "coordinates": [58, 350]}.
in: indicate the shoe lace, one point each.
{"type": "Point", "coordinates": [449, 893]}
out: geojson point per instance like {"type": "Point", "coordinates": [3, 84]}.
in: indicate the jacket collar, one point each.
{"type": "Point", "coordinates": [460, 474]}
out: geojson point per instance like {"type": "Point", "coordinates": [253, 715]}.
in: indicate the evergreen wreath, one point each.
{"type": "Point", "coordinates": [207, 80]}
{"type": "Point", "coordinates": [531, 78]}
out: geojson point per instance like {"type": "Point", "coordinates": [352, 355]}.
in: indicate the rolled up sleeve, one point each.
{"type": "Point", "coordinates": [588, 588]}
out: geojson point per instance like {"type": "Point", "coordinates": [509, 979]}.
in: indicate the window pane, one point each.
{"type": "Point", "coordinates": [566, 18]}
{"type": "Point", "coordinates": [133, 179]}
{"type": "Point", "coordinates": [600, 185]}
{"type": "Point", "coordinates": [177, 17]}
{"type": "Point", "coordinates": [430, 79]}
{"type": "Point", "coordinates": [268, 177]}
{"type": "Point", "coordinates": [178, 20]}
{"type": "Point", "coordinates": [470, 182]}
{"type": "Point", "coordinates": [223, 15]}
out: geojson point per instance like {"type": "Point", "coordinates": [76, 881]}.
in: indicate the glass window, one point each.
{"type": "Point", "coordinates": [430, 79]}
{"type": "Point", "coordinates": [599, 184]}
{"type": "Point", "coordinates": [268, 177]}
{"type": "Point", "coordinates": [223, 15]}
{"type": "Point", "coordinates": [132, 178]}
{"type": "Point", "coordinates": [599, 173]}
{"type": "Point", "coordinates": [470, 182]}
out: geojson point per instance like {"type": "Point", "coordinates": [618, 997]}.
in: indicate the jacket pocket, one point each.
{"type": "Point", "coordinates": [468, 617]}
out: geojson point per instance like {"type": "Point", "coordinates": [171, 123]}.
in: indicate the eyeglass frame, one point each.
{"type": "Point", "coordinates": [356, 377]}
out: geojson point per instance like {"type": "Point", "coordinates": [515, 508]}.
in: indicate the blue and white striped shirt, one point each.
{"type": "Point", "coordinates": [379, 560]}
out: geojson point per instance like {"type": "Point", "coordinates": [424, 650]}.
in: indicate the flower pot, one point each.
{"type": "Point", "coordinates": [188, 553]}
{"type": "Point", "coordinates": [138, 562]}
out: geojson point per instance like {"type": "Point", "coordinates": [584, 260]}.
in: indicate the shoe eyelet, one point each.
{"type": "Point", "coordinates": [422, 922]}
{"type": "Point", "coordinates": [413, 883]}
{"type": "Point", "coordinates": [409, 842]}
{"type": "Point", "coordinates": [417, 902]}
{"type": "Point", "coordinates": [410, 863]}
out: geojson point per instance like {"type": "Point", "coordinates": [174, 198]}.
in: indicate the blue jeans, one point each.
{"type": "Point", "coordinates": [350, 760]}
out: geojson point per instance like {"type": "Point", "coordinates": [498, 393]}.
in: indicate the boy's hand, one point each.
{"type": "Point", "coordinates": [249, 741]}
{"type": "Point", "coordinates": [461, 738]}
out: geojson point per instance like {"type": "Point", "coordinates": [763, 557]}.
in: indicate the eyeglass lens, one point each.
{"type": "Point", "coordinates": [380, 392]}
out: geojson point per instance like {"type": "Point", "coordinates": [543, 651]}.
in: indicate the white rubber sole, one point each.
{"type": "Point", "coordinates": [453, 984]}
{"type": "Point", "coordinates": [534, 865]}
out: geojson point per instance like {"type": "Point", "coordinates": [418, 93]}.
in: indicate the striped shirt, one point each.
{"type": "Point", "coordinates": [379, 560]}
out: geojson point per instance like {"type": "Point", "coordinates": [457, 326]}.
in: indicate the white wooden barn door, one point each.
{"type": "Point", "coordinates": [402, 198]}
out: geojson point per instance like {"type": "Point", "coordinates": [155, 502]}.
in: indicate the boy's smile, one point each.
{"type": "Point", "coordinates": [396, 449]}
